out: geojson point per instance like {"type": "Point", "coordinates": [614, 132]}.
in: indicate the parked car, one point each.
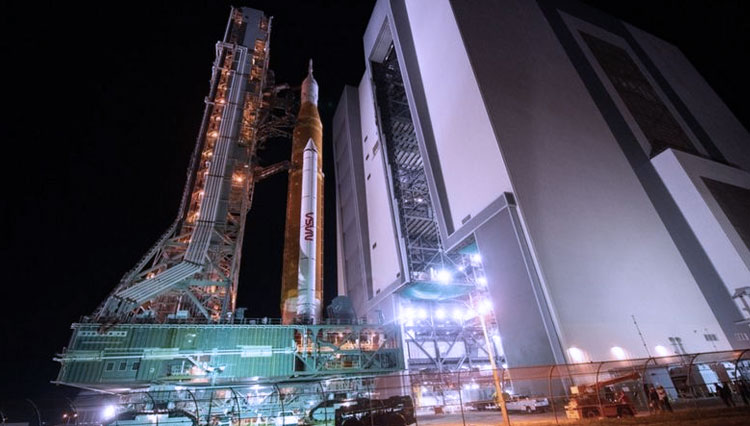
{"type": "Point", "coordinates": [286, 418]}
{"type": "Point", "coordinates": [526, 404]}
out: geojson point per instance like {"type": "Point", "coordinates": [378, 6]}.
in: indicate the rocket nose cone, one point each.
{"type": "Point", "coordinates": [310, 145]}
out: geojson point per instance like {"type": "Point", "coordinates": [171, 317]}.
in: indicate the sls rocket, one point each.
{"type": "Point", "coordinates": [302, 275]}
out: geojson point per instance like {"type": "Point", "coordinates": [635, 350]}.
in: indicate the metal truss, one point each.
{"type": "Point", "coordinates": [192, 271]}
{"type": "Point", "coordinates": [223, 405]}
{"type": "Point", "coordinates": [442, 345]}
{"type": "Point", "coordinates": [418, 225]}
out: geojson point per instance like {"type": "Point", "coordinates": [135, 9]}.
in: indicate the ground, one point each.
{"type": "Point", "coordinates": [689, 417]}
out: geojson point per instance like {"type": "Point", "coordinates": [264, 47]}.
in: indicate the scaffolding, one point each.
{"type": "Point", "coordinates": [192, 271]}
{"type": "Point", "coordinates": [444, 301]}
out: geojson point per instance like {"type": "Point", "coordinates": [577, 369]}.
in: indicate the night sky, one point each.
{"type": "Point", "coordinates": [102, 108]}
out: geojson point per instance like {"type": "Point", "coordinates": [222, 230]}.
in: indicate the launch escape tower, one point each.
{"type": "Point", "coordinates": [167, 339]}
{"type": "Point", "coordinates": [444, 305]}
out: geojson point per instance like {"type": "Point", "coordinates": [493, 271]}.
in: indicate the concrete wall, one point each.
{"type": "Point", "coordinates": [524, 322]}
{"type": "Point", "coordinates": [351, 218]}
{"type": "Point", "coordinates": [384, 250]}
{"type": "Point", "coordinates": [720, 126]}
{"type": "Point", "coordinates": [462, 131]}
{"type": "Point", "coordinates": [602, 248]}
{"type": "Point", "coordinates": [683, 175]}
{"type": "Point", "coordinates": [602, 234]}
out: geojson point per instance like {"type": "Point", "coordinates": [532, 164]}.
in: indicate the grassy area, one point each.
{"type": "Point", "coordinates": [709, 417]}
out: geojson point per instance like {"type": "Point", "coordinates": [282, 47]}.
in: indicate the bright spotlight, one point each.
{"type": "Point", "coordinates": [109, 412]}
{"type": "Point", "coordinates": [482, 281]}
{"type": "Point", "coordinates": [408, 314]}
{"type": "Point", "coordinates": [476, 258]}
{"type": "Point", "coordinates": [485, 306]}
{"type": "Point", "coordinates": [457, 314]}
{"type": "Point", "coordinates": [661, 350]}
{"type": "Point", "coordinates": [470, 313]}
{"type": "Point", "coordinates": [440, 313]}
{"type": "Point", "coordinates": [618, 352]}
{"type": "Point", "coordinates": [576, 355]}
{"type": "Point", "coordinates": [422, 313]}
{"type": "Point", "coordinates": [444, 276]}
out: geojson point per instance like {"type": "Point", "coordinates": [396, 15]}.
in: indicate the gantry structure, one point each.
{"type": "Point", "coordinates": [170, 331]}
{"type": "Point", "coordinates": [192, 270]}
{"type": "Point", "coordinates": [444, 306]}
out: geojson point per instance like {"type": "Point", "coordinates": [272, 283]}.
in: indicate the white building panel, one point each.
{"type": "Point", "coordinates": [730, 137]}
{"type": "Point", "coordinates": [471, 163]}
{"type": "Point", "coordinates": [682, 174]}
{"type": "Point", "coordinates": [603, 251]}
{"type": "Point", "coordinates": [384, 253]}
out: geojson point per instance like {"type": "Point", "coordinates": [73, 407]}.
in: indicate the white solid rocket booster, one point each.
{"type": "Point", "coordinates": [308, 236]}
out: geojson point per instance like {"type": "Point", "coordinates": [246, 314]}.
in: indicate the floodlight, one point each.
{"type": "Point", "coordinates": [618, 352]}
{"type": "Point", "coordinates": [109, 412]}
{"type": "Point", "coordinates": [444, 276]}
{"type": "Point", "coordinates": [661, 350]}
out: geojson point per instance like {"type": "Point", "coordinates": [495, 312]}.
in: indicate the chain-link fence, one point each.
{"type": "Point", "coordinates": [550, 394]}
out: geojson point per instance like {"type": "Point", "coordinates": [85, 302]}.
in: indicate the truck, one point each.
{"type": "Point", "coordinates": [526, 404]}
{"type": "Point", "coordinates": [393, 411]}
{"type": "Point", "coordinates": [515, 403]}
{"type": "Point", "coordinates": [587, 402]}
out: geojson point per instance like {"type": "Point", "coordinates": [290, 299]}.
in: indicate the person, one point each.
{"type": "Point", "coordinates": [663, 399]}
{"type": "Point", "coordinates": [653, 400]}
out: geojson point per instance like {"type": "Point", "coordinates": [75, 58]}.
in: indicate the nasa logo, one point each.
{"type": "Point", "coordinates": [309, 226]}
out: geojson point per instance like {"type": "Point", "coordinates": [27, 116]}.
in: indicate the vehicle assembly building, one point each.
{"type": "Point", "coordinates": [559, 173]}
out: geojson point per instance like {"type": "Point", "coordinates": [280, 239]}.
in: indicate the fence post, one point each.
{"type": "Point", "coordinates": [210, 405]}
{"type": "Point", "coordinates": [237, 403]}
{"type": "Point", "coordinates": [36, 409]}
{"type": "Point", "coordinates": [411, 392]}
{"type": "Point", "coordinates": [549, 392]}
{"type": "Point", "coordinates": [461, 399]}
{"type": "Point", "coordinates": [737, 365]}
{"type": "Point", "coordinates": [281, 401]}
{"type": "Point", "coordinates": [598, 392]}
{"type": "Point", "coordinates": [197, 408]}
{"type": "Point", "coordinates": [645, 388]}
{"type": "Point", "coordinates": [687, 381]}
{"type": "Point", "coordinates": [323, 399]}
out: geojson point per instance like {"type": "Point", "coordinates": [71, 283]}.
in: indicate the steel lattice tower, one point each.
{"type": "Point", "coordinates": [192, 271]}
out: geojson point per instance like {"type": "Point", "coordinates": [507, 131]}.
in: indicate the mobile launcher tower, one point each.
{"type": "Point", "coordinates": [169, 342]}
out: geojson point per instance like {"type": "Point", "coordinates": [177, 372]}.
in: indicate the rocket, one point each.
{"type": "Point", "coordinates": [302, 275]}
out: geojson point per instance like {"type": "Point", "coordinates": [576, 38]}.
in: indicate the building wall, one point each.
{"type": "Point", "coordinates": [383, 239]}
{"type": "Point", "coordinates": [462, 131]}
{"type": "Point", "coordinates": [715, 118]}
{"type": "Point", "coordinates": [591, 224]}
{"type": "Point", "coordinates": [600, 241]}
{"type": "Point", "coordinates": [353, 261]}
{"type": "Point", "coordinates": [683, 175]}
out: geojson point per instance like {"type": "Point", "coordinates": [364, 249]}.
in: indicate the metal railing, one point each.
{"type": "Point", "coordinates": [713, 383]}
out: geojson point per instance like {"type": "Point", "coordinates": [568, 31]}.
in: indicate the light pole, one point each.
{"type": "Point", "coordinates": [491, 354]}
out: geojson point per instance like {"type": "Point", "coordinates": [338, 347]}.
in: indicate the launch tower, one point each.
{"type": "Point", "coordinates": [168, 340]}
